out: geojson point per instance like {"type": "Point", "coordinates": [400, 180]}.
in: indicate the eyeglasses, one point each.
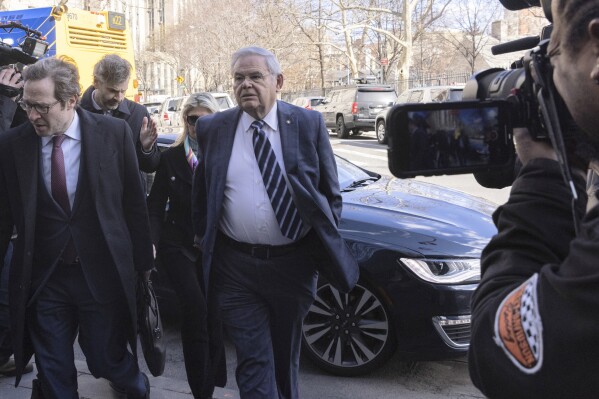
{"type": "Point", "coordinates": [253, 77]}
{"type": "Point", "coordinates": [192, 119]}
{"type": "Point", "coordinates": [39, 108]}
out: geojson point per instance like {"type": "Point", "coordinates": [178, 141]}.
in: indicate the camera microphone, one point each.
{"type": "Point", "coordinates": [526, 43]}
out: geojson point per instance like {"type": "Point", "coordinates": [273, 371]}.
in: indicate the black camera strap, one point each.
{"type": "Point", "coordinates": [549, 111]}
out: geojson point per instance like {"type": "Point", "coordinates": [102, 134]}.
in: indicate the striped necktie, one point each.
{"type": "Point", "coordinates": [285, 210]}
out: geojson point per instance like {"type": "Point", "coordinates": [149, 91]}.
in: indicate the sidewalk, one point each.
{"type": "Point", "coordinates": [92, 388]}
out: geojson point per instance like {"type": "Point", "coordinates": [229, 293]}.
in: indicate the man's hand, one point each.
{"type": "Point", "coordinates": [148, 134]}
{"type": "Point", "coordinates": [12, 78]}
{"type": "Point", "coordinates": [528, 149]}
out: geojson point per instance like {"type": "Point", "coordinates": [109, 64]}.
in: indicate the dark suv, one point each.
{"type": "Point", "coordinates": [355, 107]}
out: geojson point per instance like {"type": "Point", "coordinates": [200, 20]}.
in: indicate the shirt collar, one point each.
{"type": "Point", "coordinates": [73, 131]}
{"type": "Point", "coordinates": [270, 119]}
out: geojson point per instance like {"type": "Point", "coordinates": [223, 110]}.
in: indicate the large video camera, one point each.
{"type": "Point", "coordinates": [475, 135]}
{"type": "Point", "coordinates": [16, 55]}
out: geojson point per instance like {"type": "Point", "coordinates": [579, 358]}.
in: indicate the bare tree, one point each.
{"type": "Point", "coordinates": [472, 20]}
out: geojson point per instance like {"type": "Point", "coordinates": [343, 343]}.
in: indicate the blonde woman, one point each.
{"type": "Point", "coordinates": [172, 234]}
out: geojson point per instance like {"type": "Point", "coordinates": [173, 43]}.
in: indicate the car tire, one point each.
{"type": "Point", "coordinates": [381, 135]}
{"type": "Point", "coordinates": [348, 334]}
{"type": "Point", "coordinates": [342, 130]}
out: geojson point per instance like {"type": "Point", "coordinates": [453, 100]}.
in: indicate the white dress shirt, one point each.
{"type": "Point", "coordinates": [71, 149]}
{"type": "Point", "coordinates": [247, 211]}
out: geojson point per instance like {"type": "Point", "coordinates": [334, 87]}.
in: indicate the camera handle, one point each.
{"type": "Point", "coordinates": [546, 100]}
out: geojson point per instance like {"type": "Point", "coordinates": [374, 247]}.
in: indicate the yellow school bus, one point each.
{"type": "Point", "coordinates": [81, 36]}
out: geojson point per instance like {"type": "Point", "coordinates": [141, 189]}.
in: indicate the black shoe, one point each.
{"type": "Point", "coordinates": [147, 383]}
{"type": "Point", "coordinates": [9, 369]}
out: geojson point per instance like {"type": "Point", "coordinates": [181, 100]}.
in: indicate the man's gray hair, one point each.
{"type": "Point", "coordinates": [112, 69]}
{"type": "Point", "coordinates": [64, 74]}
{"type": "Point", "coordinates": [271, 60]}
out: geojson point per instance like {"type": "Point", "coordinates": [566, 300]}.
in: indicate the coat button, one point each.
{"type": "Point", "coordinates": [172, 178]}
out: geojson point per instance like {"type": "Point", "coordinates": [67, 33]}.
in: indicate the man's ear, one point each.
{"type": "Point", "coordinates": [72, 102]}
{"type": "Point", "coordinates": [593, 30]}
{"type": "Point", "coordinates": [280, 80]}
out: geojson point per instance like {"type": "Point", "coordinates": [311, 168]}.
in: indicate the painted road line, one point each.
{"type": "Point", "coordinates": [360, 153]}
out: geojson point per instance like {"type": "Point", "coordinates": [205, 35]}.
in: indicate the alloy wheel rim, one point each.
{"type": "Point", "coordinates": [346, 330]}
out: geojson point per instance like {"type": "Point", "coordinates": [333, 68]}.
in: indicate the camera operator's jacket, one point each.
{"type": "Point", "coordinates": [535, 319]}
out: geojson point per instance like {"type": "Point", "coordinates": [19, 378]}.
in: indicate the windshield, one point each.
{"type": "Point", "coordinates": [348, 173]}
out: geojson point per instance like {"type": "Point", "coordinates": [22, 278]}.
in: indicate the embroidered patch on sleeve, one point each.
{"type": "Point", "coordinates": [518, 327]}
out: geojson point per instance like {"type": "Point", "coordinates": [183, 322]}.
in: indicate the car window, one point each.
{"type": "Point", "coordinates": [438, 95]}
{"type": "Point", "coordinates": [222, 102]}
{"type": "Point", "coordinates": [376, 96]}
{"type": "Point", "coordinates": [172, 105]}
{"type": "Point", "coordinates": [455, 95]}
{"type": "Point", "coordinates": [403, 97]}
{"type": "Point", "coordinates": [348, 96]}
{"type": "Point", "coordinates": [315, 101]}
{"type": "Point", "coordinates": [334, 96]}
{"type": "Point", "coordinates": [416, 96]}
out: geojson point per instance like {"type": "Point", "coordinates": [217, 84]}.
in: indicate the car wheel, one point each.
{"type": "Point", "coordinates": [342, 130]}
{"type": "Point", "coordinates": [348, 334]}
{"type": "Point", "coordinates": [380, 132]}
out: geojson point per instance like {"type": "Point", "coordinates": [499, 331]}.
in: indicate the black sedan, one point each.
{"type": "Point", "coordinates": [418, 246]}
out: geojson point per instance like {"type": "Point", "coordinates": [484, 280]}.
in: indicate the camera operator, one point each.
{"type": "Point", "coordinates": [11, 115]}
{"type": "Point", "coordinates": [535, 316]}
{"type": "Point", "coordinates": [11, 85]}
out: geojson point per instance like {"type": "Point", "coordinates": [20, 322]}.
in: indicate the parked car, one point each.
{"type": "Point", "coordinates": [308, 102]}
{"type": "Point", "coordinates": [418, 246]}
{"type": "Point", "coordinates": [355, 107]}
{"type": "Point", "coordinates": [154, 110]}
{"type": "Point", "coordinates": [167, 112]}
{"type": "Point", "coordinates": [170, 114]}
{"type": "Point", "coordinates": [418, 95]}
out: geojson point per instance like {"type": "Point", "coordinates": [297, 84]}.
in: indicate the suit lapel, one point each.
{"type": "Point", "coordinates": [223, 149]}
{"type": "Point", "coordinates": [92, 150]}
{"type": "Point", "coordinates": [289, 131]}
{"type": "Point", "coordinates": [27, 157]}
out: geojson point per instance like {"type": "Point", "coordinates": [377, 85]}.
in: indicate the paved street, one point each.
{"type": "Point", "coordinates": [397, 379]}
{"type": "Point", "coordinates": [366, 152]}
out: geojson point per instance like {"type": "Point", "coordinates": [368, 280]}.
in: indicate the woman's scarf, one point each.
{"type": "Point", "coordinates": [190, 155]}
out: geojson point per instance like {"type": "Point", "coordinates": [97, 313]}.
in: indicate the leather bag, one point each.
{"type": "Point", "coordinates": [151, 334]}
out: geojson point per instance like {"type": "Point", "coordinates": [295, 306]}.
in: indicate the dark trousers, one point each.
{"type": "Point", "coordinates": [263, 303]}
{"type": "Point", "coordinates": [66, 306]}
{"type": "Point", "coordinates": [203, 349]}
{"type": "Point", "coordinates": [6, 349]}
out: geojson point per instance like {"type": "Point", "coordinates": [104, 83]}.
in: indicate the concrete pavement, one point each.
{"type": "Point", "coordinates": [92, 388]}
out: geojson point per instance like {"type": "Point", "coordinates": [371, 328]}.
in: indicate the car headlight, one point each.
{"type": "Point", "coordinates": [445, 271]}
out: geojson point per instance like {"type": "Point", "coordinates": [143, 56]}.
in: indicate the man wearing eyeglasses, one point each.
{"type": "Point", "coordinates": [70, 184]}
{"type": "Point", "coordinates": [266, 208]}
{"type": "Point", "coordinates": [107, 96]}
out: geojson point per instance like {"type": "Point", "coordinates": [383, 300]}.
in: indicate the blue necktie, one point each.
{"type": "Point", "coordinates": [287, 215]}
